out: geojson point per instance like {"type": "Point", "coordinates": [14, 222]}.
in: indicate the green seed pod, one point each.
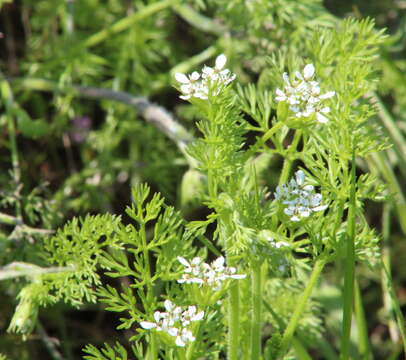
{"type": "Point", "coordinates": [26, 313]}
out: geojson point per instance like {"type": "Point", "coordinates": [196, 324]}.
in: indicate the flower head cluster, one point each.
{"type": "Point", "coordinates": [199, 272]}
{"type": "Point", "coordinates": [175, 322]}
{"type": "Point", "coordinates": [301, 199]}
{"type": "Point", "coordinates": [303, 95]}
{"type": "Point", "coordinates": [198, 85]}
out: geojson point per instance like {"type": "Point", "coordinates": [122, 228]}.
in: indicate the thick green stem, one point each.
{"type": "Point", "coordinates": [256, 298]}
{"type": "Point", "coordinates": [294, 320]}
{"type": "Point", "coordinates": [349, 269]}
{"type": "Point", "coordinates": [233, 321]}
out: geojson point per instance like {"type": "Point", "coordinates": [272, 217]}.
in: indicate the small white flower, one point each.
{"type": "Point", "coordinates": [199, 85]}
{"type": "Point", "coordinates": [191, 315]}
{"type": "Point", "coordinates": [211, 275]}
{"type": "Point", "coordinates": [300, 199]}
{"type": "Point", "coordinates": [303, 95]}
{"type": "Point", "coordinates": [183, 336]}
{"type": "Point", "coordinates": [175, 322]}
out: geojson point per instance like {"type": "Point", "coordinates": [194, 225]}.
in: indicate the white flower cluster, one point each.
{"type": "Point", "coordinates": [175, 322]}
{"type": "Point", "coordinates": [303, 95]}
{"type": "Point", "coordinates": [301, 199]}
{"type": "Point", "coordinates": [198, 85]}
{"type": "Point", "coordinates": [199, 272]}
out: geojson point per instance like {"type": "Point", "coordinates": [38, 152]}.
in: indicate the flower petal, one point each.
{"type": "Point", "coordinates": [198, 316]}
{"type": "Point", "coordinates": [182, 78]}
{"type": "Point", "coordinates": [321, 118]}
{"type": "Point", "coordinates": [195, 76]}
{"type": "Point", "coordinates": [168, 305]}
{"type": "Point", "coordinates": [220, 61]}
{"type": "Point", "coordinates": [147, 325]}
{"type": "Point", "coordinates": [308, 71]}
{"type": "Point", "coordinates": [183, 261]}
{"type": "Point", "coordinates": [320, 208]}
{"type": "Point", "coordinates": [280, 93]}
{"type": "Point", "coordinates": [300, 177]}
{"type": "Point", "coordinates": [179, 342]}
{"type": "Point", "coordinates": [328, 95]}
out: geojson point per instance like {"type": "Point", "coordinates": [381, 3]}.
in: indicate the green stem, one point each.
{"type": "Point", "coordinates": [287, 165]}
{"type": "Point", "coordinates": [128, 21]}
{"type": "Point", "coordinates": [145, 252]}
{"type": "Point", "coordinates": [349, 275]}
{"type": "Point", "coordinates": [233, 321]}
{"type": "Point", "coordinates": [364, 349]}
{"type": "Point", "coordinates": [153, 347]}
{"type": "Point", "coordinates": [294, 320]}
{"type": "Point", "coordinates": [296, 342]}
{"type": "Point", "coordinates": [212, 184]}
{"type": "Point", "coordinates": [181, 354]}
{"type": "Point", "coordinates": [192, 62]}
{"type": "Point", "coordinates": [272, 131]}
{"type": "Point", "coordinates": [256, 296]}
{"type": "Point", "coordinates": [199, 21]}
{"type": "Point", "coordinates": [191, 349]}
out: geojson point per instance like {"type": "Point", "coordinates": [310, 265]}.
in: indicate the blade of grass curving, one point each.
{"type": "Point", "coordinates": [394, 303]}
{"type": "Point", "coordinates": [386, 259]}
{"type": "Point", "coordinates": [364, 348]}
{"type": "Point", "coordinates": [294, 320]}
{"type": "Point", "coordinates": [380, 162]}
{"type": "Point", "coordinates": [126, 22]}
{"type": "Point", "coordinates": [297, 344]}
{"type": "Point", "coordinates": [397, 139]}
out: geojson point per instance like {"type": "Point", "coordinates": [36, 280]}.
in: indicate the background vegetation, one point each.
{"type": "Point", "coordinates": [84, 88]}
